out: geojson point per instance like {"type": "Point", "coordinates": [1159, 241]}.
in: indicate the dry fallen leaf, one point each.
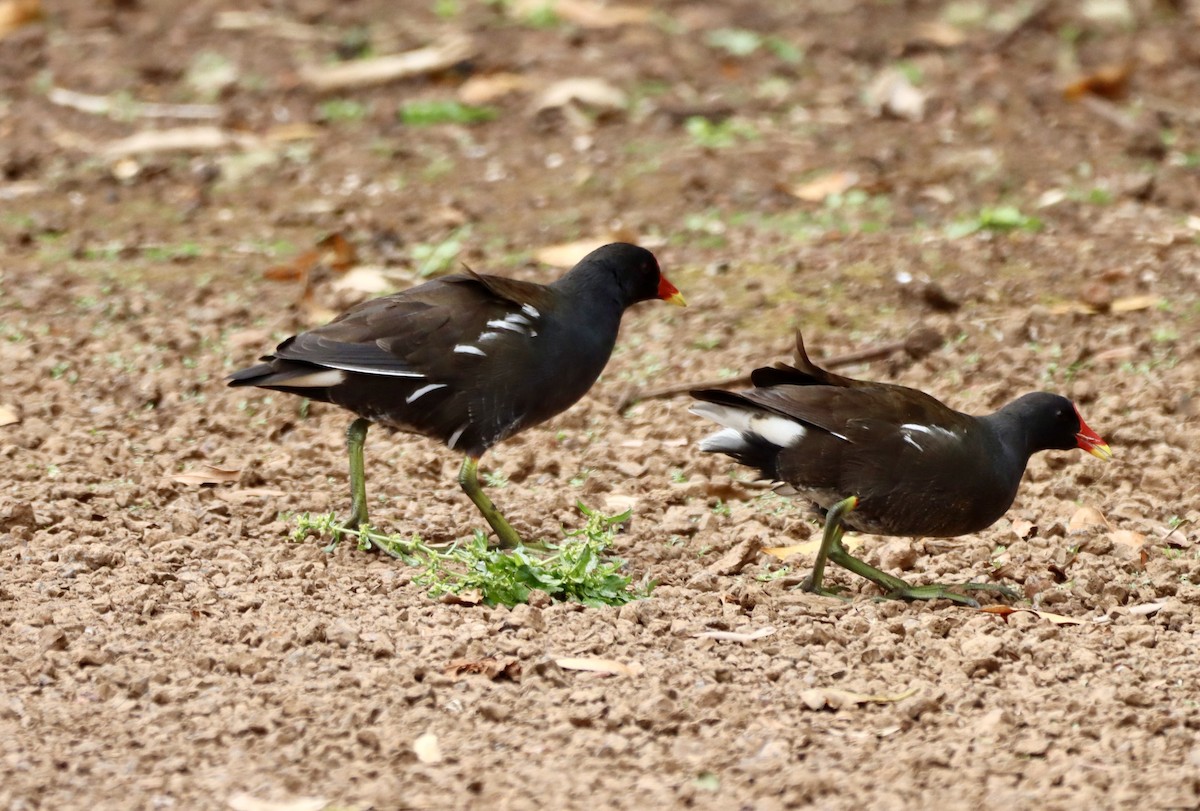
{"type": "Point", "coordinates": [1004, 611]}
{"type": "Point", "coordinates": [484, 89]}
{"type": "Point", "coordinates": [1129, 538]}
{"type": "Point", "coordinates": [15, 14]}
{"type": "Point", "coordinates": [493, 667]}
{"type": "Point", "coordinates": [9, 415]}
{"type": "Point", "coordinates": [833, 698]}
{"type": "Point", "coordinates": [1129, 304]}
{"type": "Point", "coordinates": [1110, 82]}
{"type": "Point", "coordinates": [379, 70]}
{"type": "Point", "coordinates": [245, 802]}
{"type": "Point", "coordinates": [939, 33]}
{"type": "Point", "coordinates": [892, 94]}
{"type": "Point", "coordinates": [597, 94]}
{"type": "Point", "coordinates": [567, 254]}
{"type": "Point", "coordinates": [584, 13]}
{"type": "Point", "coordinates": [365, 279]}
{"type": "Point", "coordinates": [249, 494]}
{"type": "Point", "coordinates": [206, 474]}
{"type": "Point", "coordinates": [809, 547]}
{"type": "Point", "coordinates": [820, 188]}
{"type": "Point", "coordinates": [1024, 529]}
{"type": "Point", "coordinates": [736, 636]}
{"type": "Point", "coordinates": [1086, 517]}
{"type": "Point", "coordinates": [427, 749]}
{"type": "Point", "coordinates": [1146, 609]}
{"type": "Point", "coordinates": [594, 665]}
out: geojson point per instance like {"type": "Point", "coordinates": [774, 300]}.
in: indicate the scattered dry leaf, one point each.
{"type": "Point", "coordinates": [1005, 611]}
{"type": "Point", "coordinates": [833, 698]}
{"type": "Point", "coordinates": [367, 279]}
{"type": "Point", "coordinates": [584, 13]}
{"type": "Point", "coordinates": [1118, 354]}
{"type": "Point", "coordinates": [594, 665]}
{"type": "Point", "coordinates": [1125, 537]}
{"type": "Point", "coordinates": [820, 188]}
{"type": "Point", "coordinates": [892, 94]}
{"type": "Point", "coordinates": [9, 415]}
{"type": "Point", "coordinates": [245, 802]}
{"type": "Point", "coordinates": [427, 748]}
{"type": "Point", "coordinates": [249, 494]}
{"type": "Point", "coordinates": [1129, 304]}
{"type": "Point", "coordinates": [736, 636]}
{"type": "Point", "coordinates": [809, 547]}
{"type": "Point", "coordinates": [589, 92]}
{"type": "Point", "coordinates": [206, 474]}
{"type": "Point", "coordinates": [15, 14]}
{"type": "Point", "coordinates": [380, 70]}
{"type": "Point", "coordinates": [567, 254]}
{"type": "Point", "coordinates": [1146, 609]}
{"type": "Point", "coordinates": [1086, 517]}
{"type": "Point", "coordinates": [939, 33]}
{"type": "Point", "coordinates": [484, 89]}
{"type": "Point", "coordinates": [1109, 82]}
{"type": "Point", "coordinates": [179, 139]}
{"type": "Point", "coordinates": [1024, 529]}
{"type": "Point", "coordinates": [493, 667]}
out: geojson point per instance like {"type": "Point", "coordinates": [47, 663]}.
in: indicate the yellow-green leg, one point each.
{"type": "Point", "coordinates": [356, 437]}
{"type": "Point", "coordinates": [468, 479]}
{"type": "Point", "coordinates": [893, 587]}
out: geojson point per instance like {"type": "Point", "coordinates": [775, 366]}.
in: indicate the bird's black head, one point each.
{"type": "Point", "coordinates": [1052, 422]}
{"type": "Point", "coordinates": [630, 272]}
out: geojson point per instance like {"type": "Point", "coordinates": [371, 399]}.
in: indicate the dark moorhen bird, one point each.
{"type": "Point", "coordinates": [466, 359]}
{"type": "Point", "coordinates": [887, 459]}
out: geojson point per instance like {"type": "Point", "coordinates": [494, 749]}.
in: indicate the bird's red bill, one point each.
{"type": "Point", "coordinates": [1090, 441]}
{"type": "Point", "coordinates": [670, 293]}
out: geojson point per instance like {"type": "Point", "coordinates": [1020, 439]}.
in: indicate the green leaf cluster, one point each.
{"type": "Point", "coordinates": [578, 570]}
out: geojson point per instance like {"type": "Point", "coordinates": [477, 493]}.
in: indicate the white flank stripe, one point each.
{"type": "Point", "coordinates": [908, 438]}
{"type": "Point", "coordinates": [487, 336]}
{"type": "Point", "coordinates": [931, 430]}
{"type": "Point", "coordinates": [371, 370]}
{"type": "Point", "coordinates": [316, 380]}
{"type": "Point", "coordinates": [531, 310]}
{"type": "Point", "coordinates": [423, 391]}
{"type": "Point", "coordinates": [467, 349]}
{"type": "Point", "coordinates": [498, 323]}
{"type": "Point", "coordinates": [456, 436]}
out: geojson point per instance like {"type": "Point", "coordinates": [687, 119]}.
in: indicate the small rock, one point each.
{"type": "Point", "coordinates": [341, 634]}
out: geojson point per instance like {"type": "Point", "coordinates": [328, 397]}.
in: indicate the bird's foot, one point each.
{"type": "Point", "coordinates": [938, 591]}
{"type": "Point", "coordinates": [835, 592]}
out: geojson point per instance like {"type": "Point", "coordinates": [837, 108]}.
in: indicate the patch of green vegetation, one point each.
{"type": "Point", "coordinates": [427, 112]}
{"type": "Point", "coordinates": [719, 134]}
{"type": "Point", "coordinates": [579, 570]}
{"type": "Point", "coordinates": [447, 9]}
{"type": "Point", "coordinates": [742, 42]}
{"type": "Point", "coordinates": [496, 479]}
{"type": "Point", "coordinates": [337, 111]}
{"type": "Point", "coordinates": [999, 218]}
{"type": "Point", "coordinates": [435, 258]}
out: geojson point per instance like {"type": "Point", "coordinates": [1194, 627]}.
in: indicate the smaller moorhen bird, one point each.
{"type": "Point", "coordinates": [467, 359]}
{"type": "Point", "coordinates": [887, 459]}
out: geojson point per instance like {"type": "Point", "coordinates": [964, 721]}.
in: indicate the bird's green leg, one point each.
{"type": "Point", "coordinates": [356, 437]}
{"type": "Point", "coordinates": [896, 589]}
{"type": "Point", "coordinates": [830, 539]}
{"type": "Point", "coordinates": [893, 587]}
{"type": "Point", "coordinates": [468, 479]}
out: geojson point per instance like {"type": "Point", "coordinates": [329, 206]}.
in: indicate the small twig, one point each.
{"type": "Point", "coordinates": [918, 344]}
{"type": "Point", "coordinates": [383, 69]}
{"type": "Point", "coordinates": [122, 108]}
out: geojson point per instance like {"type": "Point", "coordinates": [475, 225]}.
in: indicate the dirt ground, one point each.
{"type": "Point", "coordinates": [858, 169]}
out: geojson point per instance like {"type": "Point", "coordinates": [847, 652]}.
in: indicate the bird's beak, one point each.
{"type": "Point", "coordinates": [1090, 441]}
{"type": "Point", "coordinates": [670, 293]}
